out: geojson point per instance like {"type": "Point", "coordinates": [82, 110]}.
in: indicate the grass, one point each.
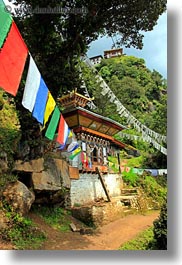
{"type": "Point", "coordinates": [56, 217]}
{"type": "Point", "coordinates": [142, 242]}
{"type": "Point", "coordinates": [22, 232]}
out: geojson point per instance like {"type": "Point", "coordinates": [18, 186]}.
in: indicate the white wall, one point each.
{"type": "Point", "coordinates": [88, 188]}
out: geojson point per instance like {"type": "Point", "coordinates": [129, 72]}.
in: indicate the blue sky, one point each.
{"type": "Point", "coordinates": [154, 51]}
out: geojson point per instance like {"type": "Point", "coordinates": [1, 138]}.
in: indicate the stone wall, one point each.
{"type": "Point", "coordinates": [88, 188]}
{"type": "Point", "coordinates": [99, 214]}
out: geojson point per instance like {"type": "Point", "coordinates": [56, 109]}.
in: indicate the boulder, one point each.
{"type": "Point", "coordinates": [45, 181]}
{"type": "Point", "coordinates": [3, 220]}
{"type": "Point", "coordinates": [63, 170]}
{"type": "Point", "coordinates": [19, 197]}
{"type": "Point", "coordinates": [36, 165]}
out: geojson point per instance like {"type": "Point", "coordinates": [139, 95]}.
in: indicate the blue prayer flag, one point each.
{"type": "Point", "coordinates": [40, 102]}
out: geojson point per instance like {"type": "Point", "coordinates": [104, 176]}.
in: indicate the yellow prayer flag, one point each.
{"type": "Point", "coordinates": [49, 108]}
{"type": "Point", "coordinates": [70, 134]}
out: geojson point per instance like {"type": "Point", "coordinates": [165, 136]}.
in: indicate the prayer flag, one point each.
{"type": "Point", "coordinates": [49, 108]}
{"type": "Point", "coordinates": [70, 134]}
{"type": "Point", "coordinates": [40, 103]}
{"type": "Point", "coordinates": [74, 145]}
{"type": "Point", "coordinates": [5, 22]}
{"type": "Point", "coordinates": [75, 153]}
{"type": "Point", "coordinates": [63, 131]}
{"type": "Point", "coordinates": [31, 86]}
{"type": "Point", "coordinates": [50, 132]}
{"type": "Point", "coordinates": [12, 60]}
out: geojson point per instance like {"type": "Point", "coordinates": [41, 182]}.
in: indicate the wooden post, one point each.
{"type": "Point", "coordinates": [103, 184]}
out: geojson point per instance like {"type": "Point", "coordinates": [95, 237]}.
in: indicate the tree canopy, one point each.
{"type": "Point", "coordinates": [57, 38]}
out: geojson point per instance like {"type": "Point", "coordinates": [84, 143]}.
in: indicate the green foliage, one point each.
{"type": "Point", "coordinates": [57, 40]}
{"type": "Point", "coordinates": [160, 229]}
{"type": "Point", "coordinates": [141, 91]}
{"type": "Point", "coordinates": [9, 128]}
{"type": "Point", "coordinates": [21, 231]}
{"type": "Point", "coordinates": [5, 179]}
{"type": "Point", "coordinates": [154, 238]}
{"type": "Point", "coordinates": [130, 178]}
{"type": "Point", "coordinates": [141, 242]}
{"type": "Point", "coordinates": [55, 216]}
{"type": "Point", "coordinates": [153, 189]}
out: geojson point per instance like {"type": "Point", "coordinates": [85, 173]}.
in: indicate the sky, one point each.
{"type": "Point", "coordinates": [154, 50]}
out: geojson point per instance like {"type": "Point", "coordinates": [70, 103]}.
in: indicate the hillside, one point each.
{"type": "Point", "coordinates": [143, 93]}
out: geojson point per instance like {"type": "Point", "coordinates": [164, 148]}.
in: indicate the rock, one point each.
{"type": "Point", "coordinates": [45, 181]}
{"type": "Point", "coordinates": [48, 177]}
{"type": "Point", "coordinates": [63, 169]}
{"type": "Point", "coordinates": [3, 220]}
{"type": "Point", "coordinates": [3, 166]}
{"type": "Point", "coordinates": [36, 165]}
{"type": "Point", "coordinates": [19, 197]}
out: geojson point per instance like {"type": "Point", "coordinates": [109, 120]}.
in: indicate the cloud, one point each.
{"type": "Point", "coordinates": [154, 51]}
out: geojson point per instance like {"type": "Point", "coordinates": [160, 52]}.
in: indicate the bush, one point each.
{"type": "Point", "coordinates": [160, 229]}
{"type": "Point", "coordinates": [21, 231]}
{"type": "Point", "coordinates": [130, 178]}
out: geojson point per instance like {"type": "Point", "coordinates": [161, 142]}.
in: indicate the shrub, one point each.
{"type": "Point", "coordinates": [160, 229]}
{"type": "Point", "coordinates": [130, 178]}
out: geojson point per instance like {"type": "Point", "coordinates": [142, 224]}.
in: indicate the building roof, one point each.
{"type": "Point", "coordinates": [80, 117]}
{"type": "Point", "coordinates": [97, 56]}
{"type": "Point", "coordinates": [82, 120]}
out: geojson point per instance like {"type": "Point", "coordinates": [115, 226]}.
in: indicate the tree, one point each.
{"type": "Point", "coordinates": [59, 35]}
{"type": "Point", "coordinates": [56, 40]}
{"type": "Point", "coordinates": [160, 229]}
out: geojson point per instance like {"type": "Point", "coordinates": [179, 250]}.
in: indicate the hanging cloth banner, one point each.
{"type": "Point", "coordinates": [50, 105]}
{"type": "Point", "coordinates": [75, 153]}
{"type": "Point", "coordinates": [63, 131]}
{"type": "Point", "coordinates": [12, 60]}
{"type": "Point", "coordinates": [31, 86]}
{"type": "Point", "coordinates": [5, 22]}
{"type": "Point", "coordinates": [105, 90]}
{"type": "Point", "coordinates": [50, 132]}
{"type": "Point", "coordinates": [40, 102]}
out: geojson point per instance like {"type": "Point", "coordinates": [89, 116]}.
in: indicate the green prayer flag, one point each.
{"type": "Point", "coordinates": [50, 132]}
{"type": "Point", "coordinates": [75, 153]}
{"type": "Point", "coordinates": [5, 22]}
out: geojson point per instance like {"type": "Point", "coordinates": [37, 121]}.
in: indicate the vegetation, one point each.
{"type": "Point", "coordinates": [141, 242]}
{"type": "Point", "coordinates": [154, 238]}
{"type": "Point", "coordinates": [160, 229]}
{"type": "Point", "coordinates": [56, 42]}
{"type": "Point", "coordinates": [57, 217]}
{"type": "Point", "coordinates": [21, 231]}
{"type": "Point", "coordinates": [57, 39]}
{"type": "Point", "coordinates": [141, 91]}
{"type": "Point", "coordinates": [154, 188]}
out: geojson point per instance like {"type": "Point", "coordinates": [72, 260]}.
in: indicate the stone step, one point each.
{"type": "Point", "coordinates": [129, 191]}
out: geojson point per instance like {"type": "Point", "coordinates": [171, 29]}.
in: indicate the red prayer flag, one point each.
{"type": "Point", "coordinates": [62, 131]}
{"type": "Point", "coordinates": [12, 60]}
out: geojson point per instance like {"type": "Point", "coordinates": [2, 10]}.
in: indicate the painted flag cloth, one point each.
{"type": "Point", "coordinates": [162, 172]}
{"type": "Point", "coordinates": [12, 60]}
{"type": "Point", "coordinates": [84, 159]}
{"type": "Point", "coordinates": [40, 102]}
{"type": "Point", "coordinates": [31, 86]}
{"type": "Point", "coordinates": [50, 132]}
{"type": "Point", "coordinates": [50, 105]}
{"type": "Point", "coordinates": [5, 22]}
{"type": "Point", "coordinates": [74, 145]}
{"type": "Point", "coordinates": [63, 131]}
{"type": "Point", "coordinates": [75, 153]}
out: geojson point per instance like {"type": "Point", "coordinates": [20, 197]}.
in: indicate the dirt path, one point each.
{"type": "Point", "coordinates": [109, 237]}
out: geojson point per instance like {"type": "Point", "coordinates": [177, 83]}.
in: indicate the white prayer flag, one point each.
{"type": "Point", "coordinates": [31, 86]}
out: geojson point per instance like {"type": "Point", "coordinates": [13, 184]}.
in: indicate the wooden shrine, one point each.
{"type": "Point", "coordinates": [94, 132]}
